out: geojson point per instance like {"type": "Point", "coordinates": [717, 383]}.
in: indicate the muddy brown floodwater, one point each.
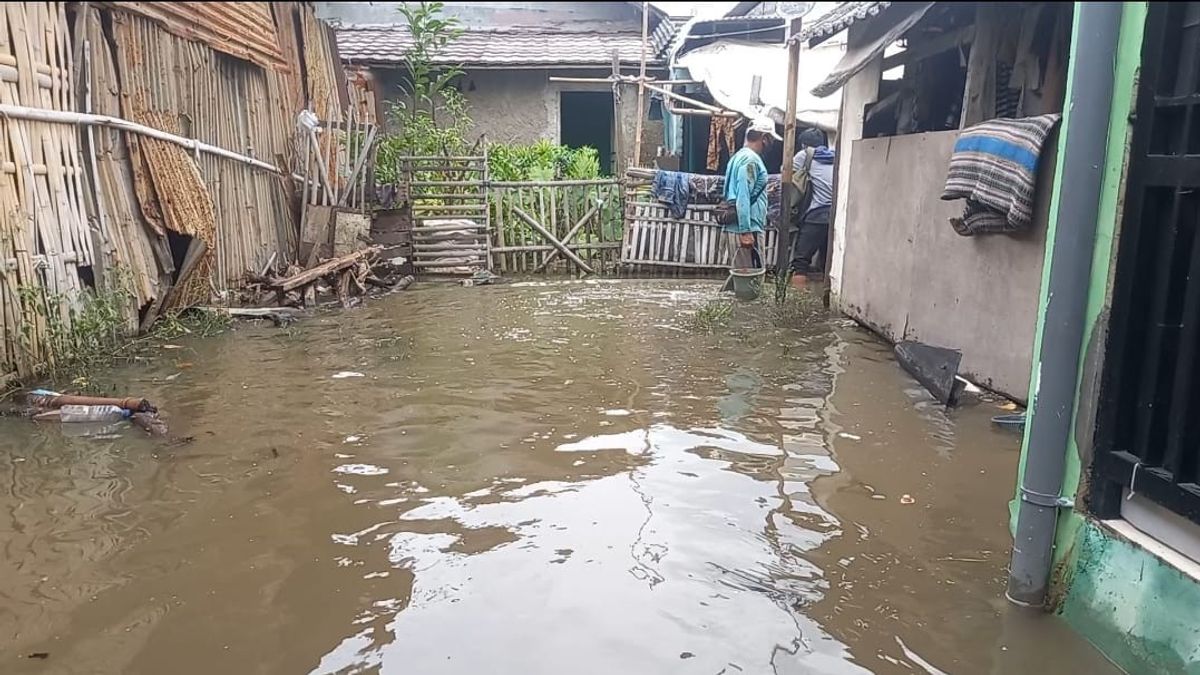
{"type": "Point", "coordinates": [558, 477]}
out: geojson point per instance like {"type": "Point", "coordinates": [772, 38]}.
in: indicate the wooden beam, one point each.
{"type": "Point", "coordinates": [328, 267]}
{"type": "Point", "coordinates": [931, 47]}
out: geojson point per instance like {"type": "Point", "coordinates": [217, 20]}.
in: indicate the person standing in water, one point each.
{"type": "Point", "coordinates": [746, 187]}
{"type": "Point", "coordinates": [814, 174]}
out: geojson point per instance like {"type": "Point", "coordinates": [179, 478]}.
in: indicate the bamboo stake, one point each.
{"type": "Point", "coordinates": [553, 223]}
{"type": "Point", "coordinates": [618, 142]}
{"type": "Point", "coordinates": [787, 191]}
{"type": "Point", "coordinates": [641, 90]}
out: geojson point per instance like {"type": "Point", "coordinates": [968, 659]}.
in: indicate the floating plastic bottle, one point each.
{"type": "Point", "coordinates": [92, 413]}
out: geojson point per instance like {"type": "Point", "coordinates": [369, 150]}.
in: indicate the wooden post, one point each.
{"type": "Point", "coordinates": [641, 90]}
{"type": "Point", "coordinates": [617, 163]}
{"type": "Point", "coordinates": [783, 244]}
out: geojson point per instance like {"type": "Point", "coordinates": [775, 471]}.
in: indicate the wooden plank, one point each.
{"type": "Point", "coordinates": [328, 267]}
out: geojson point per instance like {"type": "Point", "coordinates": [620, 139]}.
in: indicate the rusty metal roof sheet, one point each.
{"type": "Point", "coordinates": [242, 29]}
{"type": "Point", "coordinates": [388, 44]}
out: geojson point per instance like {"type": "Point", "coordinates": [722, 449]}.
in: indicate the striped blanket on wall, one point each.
{"type": "Point", "coordinates": [994, 167]}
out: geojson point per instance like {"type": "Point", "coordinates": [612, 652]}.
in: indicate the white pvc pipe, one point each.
{"type": "Point", "coordinates": [67, 117]}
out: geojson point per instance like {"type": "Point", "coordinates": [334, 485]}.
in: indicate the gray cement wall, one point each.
{"type": "Point", "coordinates": [522, 106]}
{"type": "Point", "coordinates": [908, 275]}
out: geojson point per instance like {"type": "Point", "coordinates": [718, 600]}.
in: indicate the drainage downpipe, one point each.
{"type": "Point", "coordinates": [1050, 420]}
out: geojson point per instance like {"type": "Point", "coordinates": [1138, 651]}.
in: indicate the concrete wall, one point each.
{"type": "Point", "coordinates": [862, 89]}
{"type": "Point", "coordinates": [908, 275]}
{"type": "Point", "coordinates": [522, 106]}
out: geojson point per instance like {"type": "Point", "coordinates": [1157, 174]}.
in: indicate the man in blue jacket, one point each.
{"type": "Point", "coordinates": [813, 167]}
{"type": "Point", "coordinates": [746, 186]}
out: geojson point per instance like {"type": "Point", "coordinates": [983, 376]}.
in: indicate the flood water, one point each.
{"type": "Point", "coordinates": [553, 477]}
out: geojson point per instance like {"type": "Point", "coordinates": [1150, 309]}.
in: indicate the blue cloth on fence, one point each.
{"type": "Point", "coordinates": [672, 187]}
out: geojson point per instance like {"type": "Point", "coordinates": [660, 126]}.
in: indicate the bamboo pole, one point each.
{"type": "Point", "coordinates": [787, 191]}
{"type": "Point", "coordinates": [641, 90]}
{"type": "Point", "coordinates": [690, 101]}
{"type": "Point", "coordinates": [626, 79]}
{"type": "Point", "coordinates": [618, 145]}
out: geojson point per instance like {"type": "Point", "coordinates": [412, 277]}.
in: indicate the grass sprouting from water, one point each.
{"type": "Point", "coordinates": [799, 310]}
{"type": "Point", "coordinates": [716, 313]}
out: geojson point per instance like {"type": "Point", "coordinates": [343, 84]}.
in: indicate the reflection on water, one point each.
{"type": "Point", "coordinates": [542, 478]}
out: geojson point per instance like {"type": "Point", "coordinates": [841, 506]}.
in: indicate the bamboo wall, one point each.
{"type": "Point", "coordinates": [84, 207]}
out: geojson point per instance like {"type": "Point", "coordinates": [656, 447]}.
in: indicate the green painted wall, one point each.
{"type": "Point", "coordinates": [1128, 58]}
{"type": "Point", "coordinates": [1142, 613]}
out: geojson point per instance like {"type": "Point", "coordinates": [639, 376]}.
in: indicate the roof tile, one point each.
{"type": "Point", "coordinates": [495, 48]}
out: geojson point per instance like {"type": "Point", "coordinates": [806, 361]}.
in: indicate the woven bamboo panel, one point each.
{"type": "Point", "coordinates": [80, 202]}
{"type": "Point", "coordinates": [44, 236]}
{"type": "Point", "coordinates": [174, 83]}
{"type": "Point", "coordinates": [242, 29]}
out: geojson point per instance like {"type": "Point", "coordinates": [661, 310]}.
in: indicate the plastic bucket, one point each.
{"type": "Point", "coordinates": [747, 282]}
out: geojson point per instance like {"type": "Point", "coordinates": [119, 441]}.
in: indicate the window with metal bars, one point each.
{"type": "Point", "coordinates": [1148, 436]}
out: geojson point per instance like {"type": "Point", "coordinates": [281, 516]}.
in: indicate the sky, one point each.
{"type": "Point", "coordinates": [690, 8]}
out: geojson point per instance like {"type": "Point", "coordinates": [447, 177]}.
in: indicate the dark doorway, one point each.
{"type": "Point", "coordinates": [586, 119]}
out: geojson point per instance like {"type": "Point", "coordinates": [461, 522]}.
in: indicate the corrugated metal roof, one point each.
{"type": "Point", "coordinates": [840, 18]}
{"type": "Point", "coordinates": [494, 48]}
{"type": "Point", "coordinates": [242, 29]}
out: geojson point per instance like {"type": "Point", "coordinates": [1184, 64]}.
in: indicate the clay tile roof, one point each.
{"type": "Point", "coordinates": [840, 18]}
{"type": "Point", "coordinates": [494, 48]}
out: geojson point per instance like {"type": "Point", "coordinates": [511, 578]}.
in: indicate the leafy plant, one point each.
{"type": "Point", "coordinates": [542, 160]}
{"type": "Point", "coordinates": [431, 33]}
{"type": "Point", "coordinates": [432, 118]}
{"type": "Point", "coordinates": [422, 135]}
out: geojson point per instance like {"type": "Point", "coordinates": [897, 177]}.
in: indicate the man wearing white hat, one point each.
{"type": "Point", "coordinates": [746, 190]}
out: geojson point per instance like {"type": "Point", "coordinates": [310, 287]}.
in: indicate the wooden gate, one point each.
{"type": "Point", "coordinates": [571, 225]}
{"type": "Point", "coordinates": [449, 201]}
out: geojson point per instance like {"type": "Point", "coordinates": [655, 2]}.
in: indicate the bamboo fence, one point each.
{"type": "Point", "coordinates": [150, 149]}
{"type": "Point", "coordinates": [655, 238]}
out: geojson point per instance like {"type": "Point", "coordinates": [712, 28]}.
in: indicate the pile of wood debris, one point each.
{"type": "Point", "coordinates": [347, 278]}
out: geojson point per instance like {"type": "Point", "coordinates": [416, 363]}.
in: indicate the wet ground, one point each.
{"type": "Point", "coordinates": [543, 478]}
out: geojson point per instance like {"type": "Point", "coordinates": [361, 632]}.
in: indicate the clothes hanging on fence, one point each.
{"type": "Point", "coordinates": [994, 167]}
{"type": "Point", "coordinates": [722, 134]}
{"type": "Point", "coordinates": [706, 189]}
{"type": "Point", "coordinates": [672, 188]}
{"type": "Point", "coordinates": [711, 189]}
